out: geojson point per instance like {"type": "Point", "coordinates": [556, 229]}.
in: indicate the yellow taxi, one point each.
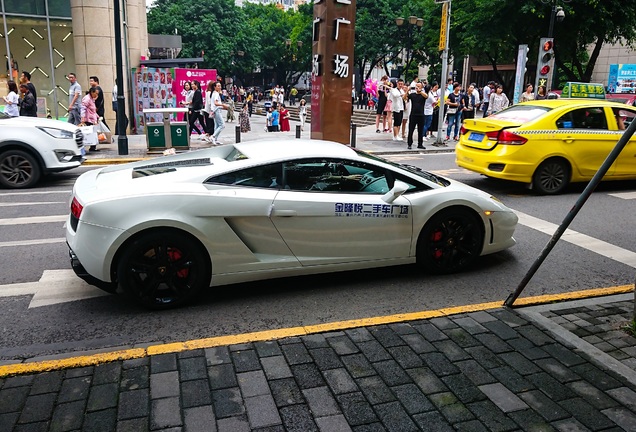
{"type": "Point", "coordinates": [549, 143]}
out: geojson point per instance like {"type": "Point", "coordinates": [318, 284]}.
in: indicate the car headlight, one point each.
{"type": "Point", "coordinates": [58, 133]}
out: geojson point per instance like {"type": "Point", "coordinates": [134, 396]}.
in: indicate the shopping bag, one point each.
{"type": "Point", "coordinates": [104, 136]}
{"type": "Point", "coordinates": [90, 135]}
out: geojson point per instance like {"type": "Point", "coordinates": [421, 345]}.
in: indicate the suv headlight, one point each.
{"type": "Point", "coordinates": [58, 133]}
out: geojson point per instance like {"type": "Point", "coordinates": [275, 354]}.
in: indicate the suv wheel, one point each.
{"type": "Point", "coordinates": [18, 169]}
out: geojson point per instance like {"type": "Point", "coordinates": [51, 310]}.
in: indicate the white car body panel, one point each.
{"type": "Point", "coordinates": [255, 233]}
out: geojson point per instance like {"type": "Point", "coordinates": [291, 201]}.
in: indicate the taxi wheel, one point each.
{"type": "Point", "coordinates": [163, 270]}
{"type": "Point", "coordinates": [450, 241]}
{"type": "Point", "coordinates": [552, 176]}
{"type": "Point", "coordinates": [18, 169]}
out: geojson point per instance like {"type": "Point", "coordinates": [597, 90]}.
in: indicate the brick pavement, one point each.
{"type": "Point", "coordinates": [493, 370]}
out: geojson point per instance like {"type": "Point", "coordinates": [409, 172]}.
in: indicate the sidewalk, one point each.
{"type": "Point", "coordinates": [555, 367]}
{"type": "Point", "coordinates": [366, 139]}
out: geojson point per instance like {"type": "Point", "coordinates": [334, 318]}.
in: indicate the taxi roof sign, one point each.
{"type": "Point", "coordinates": [583, 90]}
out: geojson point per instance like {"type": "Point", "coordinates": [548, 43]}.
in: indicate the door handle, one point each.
{"type": "Point", "coordinates": [568, 139]}
{"type": "Point", "coordinates": [284, 213]}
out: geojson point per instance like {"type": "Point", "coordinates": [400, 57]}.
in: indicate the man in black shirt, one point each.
{"type": "Point", "coordinates": [26, 79]}
{"type": "Point", "coordinates": [99, 102]}
{"type": "Point", "coordinates": [418, 100]}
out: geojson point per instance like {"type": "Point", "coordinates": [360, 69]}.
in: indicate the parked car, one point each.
{"type": "Point", "coordinates": [164, 230]}
{"type": "Point", "coordinates": [31, 147]}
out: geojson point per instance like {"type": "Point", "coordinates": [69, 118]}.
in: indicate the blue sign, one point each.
{"type": "Point", "coordinates": [622, 78]}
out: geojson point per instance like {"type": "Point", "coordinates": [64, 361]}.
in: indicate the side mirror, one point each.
{"type": "Point", "coordinates": [398, 189]}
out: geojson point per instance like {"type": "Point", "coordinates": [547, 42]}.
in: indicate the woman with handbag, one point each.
{"type": "Point", "coordinates": [302, 113]}
{"type": "Point", "coordinates": [88, 111]}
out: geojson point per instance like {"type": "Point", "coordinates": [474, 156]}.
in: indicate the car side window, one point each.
{"type": "Point", "coordinates": [623, 118]}
{"type": "Point", "coordinates": [583, 118]}
{"type": "Point", "coordinates": [264, 176]}
{"type": "Point", "coordinates": [336, 175]}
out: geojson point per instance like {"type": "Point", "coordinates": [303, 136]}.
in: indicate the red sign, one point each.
{"type": "Point", "coordinates": [183, 75]}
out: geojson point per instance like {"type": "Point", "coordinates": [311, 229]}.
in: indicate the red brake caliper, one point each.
{"type": "Point", "coordinates": [175, 255]}
{"type": "Point", "coordinates": [436, 236]}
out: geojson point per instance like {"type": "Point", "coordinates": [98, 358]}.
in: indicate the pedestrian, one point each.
{"type": "Point", "coordinates": [498, 101]}
{"type": "Point", "coordinates": [268, 120]}
{"type": "Point", "coordinates": [397, 106]}
{"type": "Point", "coordinates": [250, 103]}
{"type": "Point", "coordinates": [381, 104]}
{"type": "Point", "coordinates": [541, 93]}
{"type": "Point", "coordinates": [284, 119]}
{"type": "Point", "coordinates": [527, 95]}
{"type": "Point", "coordinates": [88, 111]}
{"type": "Point", "coordinates": [454, 112]}
{"type": "Point", "coordinates": [195, 108]}
{"type": "Point", "coordinates": [470, 103]}
{"type": "Point", "coordinates": [292, 96]}
{"type": "Point", "coordinates": [429, 109]}
{"type": "Point", "coordinates": [99, 102]}
{"type": "Point", "coordinates": [488, 88]}
{"type": "Point", "coordinates": [28, 105]}
{"type": "Point", "coordinates": [416, 119]}
{"type": "Point", "coordinates": [302, 114]}
{"type": "Point", "coordinates": [12, 109]}
{"type": "Point", "coordinates": [230, 110]}
{"type": "Point", "coordinates": [207, 111]}
{"type": "Point", "coordinates": [25, 78]}
{"type": "Point", "coordinates": [388, 108]}
{"type": "Point", "coordinates": [217, 106]}
{"type": "Point", "coordinates": [275, 120]}
{"type": "Point", "coordinates": [244, 119]}
{"type": "Point", "coordinates": [74, 100]}
{"type": "Point", "coordinates": [115, 109]}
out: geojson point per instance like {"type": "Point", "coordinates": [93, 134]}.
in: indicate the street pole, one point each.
{"type": "Point", "coordinates": [122, 139]}
{"type": "Point", "coordinates": [554, 11]}
{"type": "Point", "coordinates": [442, 84]}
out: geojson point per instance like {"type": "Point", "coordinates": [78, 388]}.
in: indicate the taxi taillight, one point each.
{"type": "Point", "coordinates": [509, 138]}
{"type": "Point", "coordinates": [76, 208]}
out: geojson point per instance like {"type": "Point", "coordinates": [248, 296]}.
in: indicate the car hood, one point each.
{"type": "Point", "coordinates": [38, 122]}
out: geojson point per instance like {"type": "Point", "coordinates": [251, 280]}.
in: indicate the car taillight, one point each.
{"type": "Point", "coordinates": [463, 130]}
{"type": "Point", "coordinates": [76, 208]}
{"type": "Point", "coordinates": [493, 135]}
{"type": "Point", "coordinates": [509, 138]}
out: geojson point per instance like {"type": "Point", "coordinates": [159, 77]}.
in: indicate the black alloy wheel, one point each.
{"type": "Point", "coordinates": [551, 177]}
{"type": "Point", "coordinates": [450, 241]}
{"type": "Point", "coordinates": [18, 169]}
{"type": "Point", "coordinates": [163, 270]}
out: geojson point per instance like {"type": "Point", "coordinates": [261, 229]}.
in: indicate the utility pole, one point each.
{"type": "Point", "coordinates": [443, 44]}
{"type": "Point", "coordinates": [122, 139]}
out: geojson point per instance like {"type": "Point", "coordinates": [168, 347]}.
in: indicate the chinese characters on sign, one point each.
{"type": "Point", "coordinates": [340, 61]}
{"type": "Point", "coordinates": [371, 210]}
{"type": "Point", "coordinates": [583, 90]}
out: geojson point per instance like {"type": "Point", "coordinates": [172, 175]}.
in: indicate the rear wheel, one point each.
{"type": "Point", "coordinates": [163, 270]}
{"type": "Point", "coordinates": [450, 241]}
{"type": "Point", "coordinates": [18, 169]}
{"type": "Point", "coordinates": [551, 177]}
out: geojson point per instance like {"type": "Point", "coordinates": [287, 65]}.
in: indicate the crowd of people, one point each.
{"type": "Point", "coordinates": [21, 99]}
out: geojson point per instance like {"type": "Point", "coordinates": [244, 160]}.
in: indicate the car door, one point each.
{"type": "Point", "coordinates": [239, 206]}
{"type": "Point", "coordinates": [626, 161]}
{"type": "Point", "coordinates": [331, 211]}
{"type": "Point", "coordinates": [585, 138]}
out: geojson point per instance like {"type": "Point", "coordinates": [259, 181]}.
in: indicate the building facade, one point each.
{"type": "Point", "coordinates": [52, 38]}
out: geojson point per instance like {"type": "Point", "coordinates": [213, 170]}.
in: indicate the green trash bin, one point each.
{"type": "Point", "coordinates": [179, 134]}
{"type": "Point", "coordinates": [155, 135]}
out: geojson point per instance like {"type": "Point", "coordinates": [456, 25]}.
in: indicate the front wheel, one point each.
{"type": "Point", "coordinates": [163, 270]}
{"type": "Point", "coordinates": [450, 241]}
{"type": "Point", "coordinates": [18, 169]}
{"type": "Point", "coordinates": [551, 177]}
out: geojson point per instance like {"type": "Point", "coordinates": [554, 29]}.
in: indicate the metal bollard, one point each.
{"type": "Point", "coordinates": [237, 131]}
{"type": "Point", "coordinates": [353, 134]}
{"type": "Point", "coordinates": [297, 131]}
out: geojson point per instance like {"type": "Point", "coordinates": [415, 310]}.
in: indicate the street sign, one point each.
{"type": "Point", "coordinates": [443, 29]}
{"type": "Point", "coordinates": [583, 90]}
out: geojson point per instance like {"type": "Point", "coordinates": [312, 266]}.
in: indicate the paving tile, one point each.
{"type": "Point", "coordinates": [513, 380]}
{"type": "Point", "coordinates": [402, 328]}
{"type": "Point", "coordinates": [18, 381]}
{"type": "Point", "coordinates": [391, 373]}
{"type": "Point", "coordinates": [369, 427]}
{"type": "Point", "coordinates": [343, 345]}
{"type": "Point", "coordinates": [227, 402]}
{"type": "Point", "coordinates": [375, 390]}
{"type": "Point", "coordinates": [358, 365]}
{"type": "Point", "coordinates": [463, 389]}
{"type": "Point", "coordinates": [356, 409]}
{"type": "Point", "coordinates": [412, 398]}
{"type": "Point", "coordinates": [222, 376]}
{"type": "Point", "coordinates": [501, 329]}
{"type": "Point", "coordinates": [102, 397]}
{"type": "Point", "coordinates": [519, 363]}
{"type": "Point", "coordinates": [8, 421]}
{"type": "Point", "coordinates": [297, 418]}
{"type": "Point", "coordinates": [133, 403]}
{"type": "Point", "coordinates": [427, 380]}
{"type": "Point", "coordinates": [199, 419]}
{"type": "Point", "coordinates": [286, 392]}
{"type": "Point", "coordinates": [451, 407]}
{"type": "Point", "coordinates": [451, 350]}
{"type": "Point", "coordinates": [131, 425]}
{"type": "Point", "coordinates": [418, 343]}
{"type": "Point", "coordinates": [106, 373]}
{"type": "Point", "coordinates": [405, 356]}
{"type": "Point", "coordinates": [510, 317]}
{"type": "Point", "coordinates": [262, 411]}
{"type": "Point", "coordinates": [191, 368]}
{"type": "Point", "coordinates": [315, 341]}
{"type": "Point", "coordinates": [296, 354]}
{"type": "Point", "coordinates": [326, 358]}
{"type": "Point", "coordinates": [32, 427]}
{"type": "Point", "coordinates": [374, 351]}
{"type": "Point", "coordinates": [596, 377]}
{"type": "Point", "coordinates": [165, 413]}
{"type": "Point", "coordinates": [291, 340]}
{"type": "Point", "coordinates": [386, 336]}
{"type": "Point", "coordinates": [475, 372]}
{"type": "Point", "coordinates": [443, 323]}
{"type": "Point", "coordinates": [335, 423]}
{"type": "Point", "coordinates": [38, 408]}
{"type": "Point", "coordinates": [276, 367]}
{"type": "Point", "coordinates": [493, 418]}
{"type": "Point", "coordinates": [233, 424]}
{"type": "Point", "coordinates": [586, 414]}
{"type": "Point", "coordinates": [12, 398]}
{"type": "Point", "coordinates": [622, 417]}
{"type": "Point", "coordinates": [530, 421]}
{"type": "Point", "coordinates": [542, 404]}
{"type": "Point", "coordinates": [67, 416]}
{"type": "Point", "coordinates": [246, 346]}
{"type": "Point", "coordinates": [47, 382]}
{"type": "Point", "coordinates": [430, 332]}
{"type": "Point", "coordinates": [624, 395]}
{"type": "Point", "coordinates": [494, 343]}
{"type": "Point", "coordinates": [565, 355]}
{"type": "Point", "coordinates": [470, 426]}
{"type": "Point", "coordinates": [245, 361]}
{"type": "Point", "coordinates": [506, 400]}
{"type": "Point", "coordinates": [217, 355]}
{"type": "Point", "coordinates": [527, 349]}
{"type": "Point", "coordinates": [253, 384]}
{"type": "Point", "coordinates": [321, 402]}
{"type": "Point", "coordinates": [393, 416]}
{"type": "Point", "coordinates": [79, 372]}
{"type": "Point", "coordinates": [163, 363]}
{"type": "Point", "coordinates": [340, 381]}
{"type": "Point", "coordinates": [135, 363]}
{"type": "Point", "coordinates": [195, 393]}
{"type": "Point", "coordinates": [359, 334]}
{"type": "Point", "coordinates": [165, 384]}
{"type": "Point", "coordinates": [267, 349]}
{"type": "Point", "coordinates": [106, 421]}
{"type": "Point", "coordinates": [470, 325]}
{"type": "Point", "coordinates": [439, 364]}
{"type": "Point", "coordinates": [135, 378]}
{"type": "Point", "coordinates": [592, 395]}
{"type": "Point", "coordinates": [557, 369]}
{"type": "Point", "coordinates": [481, 316]}
{"type": "Point", "coordinates": [74, 389]}
{"type": "Point", "coordinates": [485, 357]}
{"type": "Point", "coordinates": [307, 376]}
{"type": "Point", "coordinates": [433, 421]}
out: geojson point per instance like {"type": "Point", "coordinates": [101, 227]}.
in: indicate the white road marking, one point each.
{"type": "Point", "coordinates": [55, 286]}
{"type": "Point", "coordinates": [33, 220]}
{"type": "Point", "coordinates": [32, 242]}
{"type": "Point", "coordinates": [17, 204]}
{"type": "Point", "coordinates": [624, 195]}
{"type": "Point", "coordinates": [584, 241]}
{"type": "Point", "coordinates": [67, 192]}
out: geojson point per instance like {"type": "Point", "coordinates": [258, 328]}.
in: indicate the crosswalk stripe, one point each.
{"type": "Point", "coordinates": [17, 204]}
{"type": "Point", "coordinates": [32, 242]}
{"type": "Point", "coordinates": [66, 192]}
{"type": "Point", "coordinates": [33, 220]}
{"type": "Point", "coordinates": [624, 195]}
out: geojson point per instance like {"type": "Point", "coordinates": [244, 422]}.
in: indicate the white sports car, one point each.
{"type": "Point", "coordinates": [31, 147]}
{"type": "Point", "coordinates": [163, 230]}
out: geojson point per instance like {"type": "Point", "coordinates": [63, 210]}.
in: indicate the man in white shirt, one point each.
{"type": "Point", "coordinates": [217, 106]}
{"type": "Point", "coordinates": [397, 104]}
{"type": "Point", "coordinates": [486, 91]}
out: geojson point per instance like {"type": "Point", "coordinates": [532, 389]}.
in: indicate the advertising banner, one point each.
{"type": "Point", "coordinates": [183, 75]}
{"type": "Point", "coordinates": [622, 78]}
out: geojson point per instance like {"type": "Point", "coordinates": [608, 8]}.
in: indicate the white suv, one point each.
{"type": "Point", "coordinates": [31, 147]}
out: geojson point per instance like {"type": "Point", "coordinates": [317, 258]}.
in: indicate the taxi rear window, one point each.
{"type": "Point", "coordinates": [521, 113]}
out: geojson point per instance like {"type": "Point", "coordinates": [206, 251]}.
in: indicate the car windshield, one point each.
{"type": "Point", "coordinates": [520, 113]}
{"type": "Point", "coordinates": [410, 168]}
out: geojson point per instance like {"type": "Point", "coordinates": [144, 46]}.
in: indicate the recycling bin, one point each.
{"type": "Point", "coordinates": [179, 134]}
{"type": "Point", "coordinates": [169, 133]}
{"type": "Point", "coordinates": [155, 136]}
